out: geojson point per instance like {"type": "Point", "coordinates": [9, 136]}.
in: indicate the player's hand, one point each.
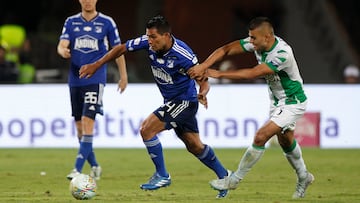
{"type": "Point", "coordinates": [197, 71]}
{"type": "Point", "coordinates": [65, 53]}
{"type": "Point", "coordinates": [86, 71]}
{"type": "Point", "coordinates": [122, 84]}
{"type": "Point", "coordinates": [213, 73]}
{"type": "Point", "coordinates": [203, 100]}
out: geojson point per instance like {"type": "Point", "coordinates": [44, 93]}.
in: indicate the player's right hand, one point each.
{"type": "Point", "coordinates": [86, 71]}
{"type": "Point", "coordinates": [197, 71]}
{"type": "Point", "coordinates": [65, 53]}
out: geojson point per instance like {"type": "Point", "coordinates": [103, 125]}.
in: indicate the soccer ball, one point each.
{"type": "Point", "coordinates": [83, 187]}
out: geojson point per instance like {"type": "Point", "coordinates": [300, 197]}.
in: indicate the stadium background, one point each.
{"type": "Point", "coordinates": [322, 33]}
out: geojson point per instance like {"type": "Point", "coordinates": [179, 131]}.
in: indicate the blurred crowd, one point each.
{"type": "Point", "coordinates": [15, 62]}
{"type": "Point", "coordinates": [28, 53]}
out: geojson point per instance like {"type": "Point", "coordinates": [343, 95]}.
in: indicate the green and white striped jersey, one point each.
{"type": "Point", "coordinates": [286, 84]}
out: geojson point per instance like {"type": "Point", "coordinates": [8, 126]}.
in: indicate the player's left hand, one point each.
{"type": "Point", "coordinates": [203, 100]}
{"type": "Point", "coordinates": [122, 84]}
{"type": "Point", "coordinates": [213, 73]}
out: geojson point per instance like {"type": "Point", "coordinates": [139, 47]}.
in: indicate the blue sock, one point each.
{"type": "Point", "coordinates": [154, 149]}
{"type": "Point", "coordinates": [209, 158]}
{"type": "Point", "coordinates": [84, 151]}
{"type": "Point", "coordinates": [92, 159]}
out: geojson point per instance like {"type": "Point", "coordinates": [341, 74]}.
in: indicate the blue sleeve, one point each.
{"type": "Point", "coordinates": [65, 30]}
{"type": "Point", "coordinates": [137, 43]}
{"type": "Point", "coordinates": [113, 33]}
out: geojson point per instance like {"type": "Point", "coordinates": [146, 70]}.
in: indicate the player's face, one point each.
{"type": "Point", "coordinates": [258, 39]}
{"type": "Point", "coordinates": [157, 41]}
{"type": "Point", "coordinates": [261, 39]}
{"type": "Point", "coordinates": [88, 5]}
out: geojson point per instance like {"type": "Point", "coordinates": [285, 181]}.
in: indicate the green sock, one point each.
{"type": "Point", "coordinates": [249, 159]}
{"type": "Point", "coordinates": [295, 159]}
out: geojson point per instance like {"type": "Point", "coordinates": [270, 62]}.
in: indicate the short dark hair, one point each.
{"type": "Point", "coordinates": [160, 23]}
{"type": "Point", "coordinates": [256, 22]}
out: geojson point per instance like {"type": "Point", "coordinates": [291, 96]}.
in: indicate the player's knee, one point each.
{"type": "Point", "coordinates": [260, 139]}
{"type": "Point", "coordinates": [144, 133]}
{"type": "Point", "coordinates": [284, 141]}
{"type": "Point", "coordinates": [195, 148]}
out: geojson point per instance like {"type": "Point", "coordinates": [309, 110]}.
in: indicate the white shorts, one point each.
{"type": "Point", "coordinates": [285, 116]}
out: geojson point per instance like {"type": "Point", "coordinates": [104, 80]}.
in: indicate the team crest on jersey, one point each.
{"type": "Point", "coordinates": [98, 29]}
{"type": "Point", "coordinates": [170, 63]}
{"type": "Point", "coordinates": [86, 44]}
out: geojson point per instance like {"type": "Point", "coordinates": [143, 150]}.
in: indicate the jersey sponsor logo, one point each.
{"type": "Point", "coordinates": [86, 44]}
{"type": "Point", "coordinates": [161, 76]}
{"type": "Point", "coordinates": [87, 28]}
{"type": "Point", "coordinates": [272, 78]}
{"type": "Point", "coordinates": [76, 23]}
{"type": "Point", "coordinates": [97, 23]}
{"type": "Point", "coordinates": [76, 29]}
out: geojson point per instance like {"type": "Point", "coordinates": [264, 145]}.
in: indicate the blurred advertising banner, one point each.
{"type": "Point", "coordinates": [39, 115]}
{"type": "Point", "coordinates": [307, 131]}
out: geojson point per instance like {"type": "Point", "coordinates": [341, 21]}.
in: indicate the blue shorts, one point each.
{"type": "Point", "coordinates": [179, 115]}
{"type": "Point", "coordinates": [86, 101]}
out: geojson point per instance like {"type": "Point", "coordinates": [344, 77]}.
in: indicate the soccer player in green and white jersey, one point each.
{"type": "Point", "coordinates": [276, 63]}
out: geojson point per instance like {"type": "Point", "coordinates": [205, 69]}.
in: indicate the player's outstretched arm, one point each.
{"type": "Point", "coordinates": [229, 49]}
{"type": "Point", "coordinates": [242, 74]}
{"type": "Point", "coordinates": [86, 71]}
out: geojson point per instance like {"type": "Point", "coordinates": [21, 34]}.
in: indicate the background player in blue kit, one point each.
{"type": "Point", "coordinates": [170, 58]}
{"type": "Point", "coordinates": [85, 38]}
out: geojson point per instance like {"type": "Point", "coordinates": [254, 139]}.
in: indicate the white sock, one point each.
{"type": "Point", "coordinates": [249, 159]}
{"type": "Point", "coordinates": [296, 161]}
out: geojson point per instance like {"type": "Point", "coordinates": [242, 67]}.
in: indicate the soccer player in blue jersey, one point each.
{"type": "Point", "coordinates": [85, 38]}
{"type": "Point", "coordinates": [170, 58]}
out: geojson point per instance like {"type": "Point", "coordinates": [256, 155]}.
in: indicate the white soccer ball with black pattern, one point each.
{"type": "Point", "coordinates": [83, 187]}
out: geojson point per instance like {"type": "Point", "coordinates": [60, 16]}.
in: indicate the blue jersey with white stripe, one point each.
{"type": "Point", "coordinates": [89, 41]}
{"type": "Point", "coordinates": [169, 70]}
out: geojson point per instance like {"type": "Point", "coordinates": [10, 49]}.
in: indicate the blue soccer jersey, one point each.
{"type": "Point", "coordinates": [89, 41]}
{"type": "Point", "coordinates": [169, 69]}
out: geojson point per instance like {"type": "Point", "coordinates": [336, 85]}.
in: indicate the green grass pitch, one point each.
{"type": "Point", "coordinates": [337, 176]}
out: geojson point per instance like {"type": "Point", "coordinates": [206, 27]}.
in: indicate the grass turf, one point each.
{"type": "Point", "coordinates": [337, 176]}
